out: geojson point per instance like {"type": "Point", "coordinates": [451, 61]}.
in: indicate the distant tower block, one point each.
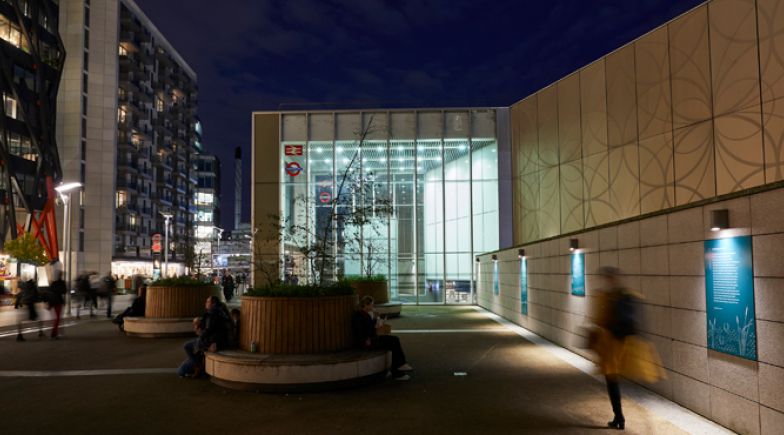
{"type": "Point", "coordinates": [237, 186]}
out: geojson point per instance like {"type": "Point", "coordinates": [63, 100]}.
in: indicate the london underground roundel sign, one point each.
{"type": "Point", "coordinates": [293, 168]}
{"type": "Point", "coordinates": [325, 197]}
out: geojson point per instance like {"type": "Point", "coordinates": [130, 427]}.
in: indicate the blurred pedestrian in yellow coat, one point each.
{"type": "Point", "coordinates": [621, 351]}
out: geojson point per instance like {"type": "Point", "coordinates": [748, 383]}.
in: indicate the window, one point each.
{"type": "Point", "coordinates": [81, 241]}
{"type": "Point", "coordinates": [84, 150]}
{"type": "Point", "coordinates": [122, 198]}
{"type": "Point", "coordinates": [85, 60]}
{"type": "Point", "coordinates": [159, 104]}
{"type": "Point", "coordinates": [11, 106]}
{"type": "Point", "coordinates": [84, 82]}
{"type": "Point", "coordinates": [84, 105]}
{"type": "Point", "coordinates": [122, 51]}
{"type": "Point", "coordinates": [121, 114]}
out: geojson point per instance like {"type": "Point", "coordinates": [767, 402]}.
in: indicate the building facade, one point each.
{"type": "Point", "coordinates": [31, 64]}
{"type": "Point", "coordinates": [626, 160]}
{"type": "Point", "coordinates": [409, 194]}
{"type": "Point", "coordinates": [129, 103]}
{"type": "Point", "coordinates": [208, 192]}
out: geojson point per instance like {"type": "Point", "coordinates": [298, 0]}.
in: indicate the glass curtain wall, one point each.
{"type": "Point", "coordinates": [429, 205]}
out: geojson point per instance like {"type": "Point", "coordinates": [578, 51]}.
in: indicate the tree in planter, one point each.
{"type": "Point", "coordinates": [26, 249]}
{"type": "Point", "coordinates": [353, 209]}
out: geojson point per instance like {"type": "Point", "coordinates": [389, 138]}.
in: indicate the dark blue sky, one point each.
{"type": "Point", "coordinates": [292, 54]}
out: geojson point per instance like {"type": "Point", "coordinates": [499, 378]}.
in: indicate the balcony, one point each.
{"type": "Point", "coordinates": [128, 185]}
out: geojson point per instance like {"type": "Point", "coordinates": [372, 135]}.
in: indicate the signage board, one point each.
{"type": "Point", "coordinates": [578, 273]}
{"type": "Point", "coordinates": [496, 283]}
{"type": "Point", "coordinates": [293, 150]}
{"type": "Point", "coordinates": [156, 243]}
{"type": "Point", "coordinates": [293, 168]}
{"type": "Point", "coordinates": [524, 286]}
{"type": "Point", "coordinates": [729, 288]}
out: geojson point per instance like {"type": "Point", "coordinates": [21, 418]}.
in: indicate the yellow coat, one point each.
{"type": "Point", "coordinates": [632, 357]}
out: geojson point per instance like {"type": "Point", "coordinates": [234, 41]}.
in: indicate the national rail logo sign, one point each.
{"type": "Point", "coordinates": [293, 169]}
{"type": "Point", "coordinates": [293, 150]}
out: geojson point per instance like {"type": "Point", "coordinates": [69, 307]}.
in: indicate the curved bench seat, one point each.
{"type": "Point", "coordinates": [152, 328]}
{"type": "Point", "coordinates": [390, 309]}
{"type": "Point", "coordinates": [295, 372]}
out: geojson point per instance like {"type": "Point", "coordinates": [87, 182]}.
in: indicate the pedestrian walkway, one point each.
{"type": "Point", "coordinates": [474, 373]}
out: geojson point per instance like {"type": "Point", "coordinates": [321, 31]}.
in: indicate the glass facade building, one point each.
{"type": "Point", "coordinates": [425, 185]}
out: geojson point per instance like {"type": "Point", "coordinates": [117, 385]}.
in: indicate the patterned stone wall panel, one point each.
{"type": "Point", "coordinates": [548, 127]}
{"type": "Point", "coordinates": [694, 174]}
{"type": "Point", "coordinates": [739, 159]}
{"type": "Point", "coordinates": [654, 105]}
{"type": "Point", "coordinates": [770, 15]}
{"type": "Point", "coordinates": [621, 97]}
{"type": "Point", "coordinates": [593, 108]}
{"type": "Point", "coordinates": [596, 190]}
{"type": "Point", "coordinates": [517, 210]}
{"type": "Point", "coordinates": [529, 136]}
{"type": "Point", "coordinates": [733, 53]}
{"type": "Point", "coordinates": [657, 173]}
{"type": "Point", "coordinates": [773, 120]}
{"type": "Point", "coordinates": [572, 217]}
{"type": "Point", "coordinates": [549, 202]}
{"type": "Point", "coordinates": [514, 127]}
{"type": "Point", "coordinates": [530, 187]}
{"type": "Point", "coordinates": [624, 181]}
{"type": "Point", "coordinates": [569, 119]}
{"type": "Point", "coordinates": [690, 67]}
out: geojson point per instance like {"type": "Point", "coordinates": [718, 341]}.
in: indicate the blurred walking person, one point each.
{"type": "Point", "coordinates": [27, 297]}
{"type": "Point", "coordinates": [228, 285]}
{"type": "Point", "coordinates": [57, 290]}
{"type": "Point", "coordinates": [108, 287]}
{"type": "Point", "coordinates": [622, 352]}
{"type": "Point", "coordinates": [86, 291]}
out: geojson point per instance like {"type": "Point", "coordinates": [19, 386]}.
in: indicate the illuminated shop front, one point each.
{"type": "Point", "coordinates": [426, 183]}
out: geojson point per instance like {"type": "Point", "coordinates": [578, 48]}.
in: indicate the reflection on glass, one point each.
{"type": "Point", "coordinates": [432, 206]}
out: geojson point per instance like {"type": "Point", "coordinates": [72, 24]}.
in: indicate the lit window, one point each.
{"type": "Point", "coordinates": [132, 220]}
{"type": "Point", "coordinates": [159, 104]}
{"type": "Point", "coordinates": [121, 114]}
{"type": "Point", "coordinates": [10, 106]}
{"type": "Point", "coordinates": [122, 198]}
{"type": "Point", "coordinates": [122, 51]}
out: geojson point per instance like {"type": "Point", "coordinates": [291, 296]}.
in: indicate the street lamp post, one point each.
{"type": "Point", "coordinates": [64, 190]}
{"type": "Point", "coordinates": [214, 256]}
{"type": "Point", "coordinates": [167, 218]}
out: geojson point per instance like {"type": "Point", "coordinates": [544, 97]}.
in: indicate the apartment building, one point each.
{"type": "Point", "coordinates": [131, 136]}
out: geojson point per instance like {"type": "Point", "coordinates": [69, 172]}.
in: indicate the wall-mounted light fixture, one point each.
{"type": "Point", "coordinates": [520, 253]}
{"type": "Point", "coordinates": [573, 244]}
{"type": "Point", "coordinates": [495, 257]}
{"type": "Point", "coordinates": [720, 219]}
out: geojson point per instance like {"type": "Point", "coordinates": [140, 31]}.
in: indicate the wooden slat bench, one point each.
{"type": "Point", "coordinates": [296, 372]}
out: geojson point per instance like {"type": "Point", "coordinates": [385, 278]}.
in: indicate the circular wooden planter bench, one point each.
{"type": "Point", "coordinates": [375, 289]}
{"type": "Point", "coordinates": [296, 325]}
{"type": "Point", "coordinates": [169, 311]}
{"type": "Point", "coordinates": [279, 373]}
{"type": "Point", "coordinates": [303, 344]}
{"type": "Point", "coordinates": [155, 328]}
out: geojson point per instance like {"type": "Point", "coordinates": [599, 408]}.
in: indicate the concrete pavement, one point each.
{"type": "Point", "coordinates": [473, 375]}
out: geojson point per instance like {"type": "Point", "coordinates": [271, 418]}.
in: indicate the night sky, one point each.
{"type": "Point", "coordinates": [298, 54]}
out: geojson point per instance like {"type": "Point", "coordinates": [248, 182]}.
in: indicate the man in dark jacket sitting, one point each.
{"type": "Point", "coordinates": [135, 310]}
{"type": "Point", "coordinates": [366, 337]}
{"type": "Point", "coordinates": [214, 332]}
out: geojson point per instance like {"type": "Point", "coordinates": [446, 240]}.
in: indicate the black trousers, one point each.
{"type": "Point", "coordinates": [392, 344]}
{"type": "Point", "coordinates": [614, 391]}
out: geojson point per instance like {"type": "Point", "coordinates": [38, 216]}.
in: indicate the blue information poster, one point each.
{"type": "Point", "coordinates": [496, 284]}
{"type": "Point", "coordinates": [578, 274]}
{"type": "Point", "coordinates": [523, 286]}
{"type": "Point", "coordinates": [729, 287]}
